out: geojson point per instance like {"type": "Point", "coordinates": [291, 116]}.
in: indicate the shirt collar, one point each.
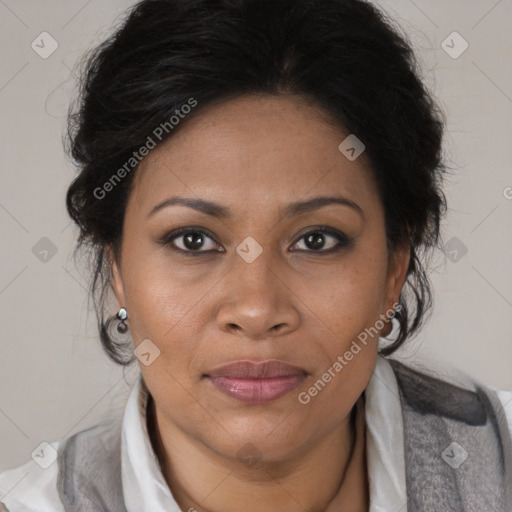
{"type": "Point", "coordinates": [144, 486]}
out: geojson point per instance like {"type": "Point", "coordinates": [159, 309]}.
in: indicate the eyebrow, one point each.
{"type": "Point", "coordinates": [219, 211]}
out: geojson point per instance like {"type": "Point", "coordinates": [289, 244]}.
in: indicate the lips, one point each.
{"type": "Point", "coordinates": [256, 382]}
{"type": "Point", "coordinates": [256, 370]}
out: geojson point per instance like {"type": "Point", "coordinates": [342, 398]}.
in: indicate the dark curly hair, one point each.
{"type": "Point", "coordinates": [344, 55]}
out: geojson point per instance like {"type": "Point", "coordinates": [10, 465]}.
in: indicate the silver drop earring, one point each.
{"type": "Point", "coordinates": [122, 315]}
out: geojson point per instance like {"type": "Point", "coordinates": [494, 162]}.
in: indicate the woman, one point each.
{"type": "Point", "coordinates": [259, 181]}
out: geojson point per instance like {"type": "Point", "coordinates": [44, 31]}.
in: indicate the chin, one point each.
{"type": "Point", "coordinates": [272, 439]}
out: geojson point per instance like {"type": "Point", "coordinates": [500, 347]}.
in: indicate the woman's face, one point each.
{"type": "Point", "coordinates": [256, 277]}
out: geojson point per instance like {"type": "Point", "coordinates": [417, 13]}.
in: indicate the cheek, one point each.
{"type": "Point", "coordinates": [347, 345]}
{"type": "Point", "coordinates": [347, 295]}
{"type": "Point", "coordinates": [161, 293]}
{"type": "Point", "coordinates": [170, 390]}
{"type": "Point", "coordinates": [343, 307]}
{"type": "Point", "coordinates": [329, 395]}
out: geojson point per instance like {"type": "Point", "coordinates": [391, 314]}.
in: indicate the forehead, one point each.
{"type": "Point", "coordinates": [252, 152]}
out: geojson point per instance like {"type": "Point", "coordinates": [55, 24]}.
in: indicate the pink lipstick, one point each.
{"type": "Point", "coordinates": [256, 382]}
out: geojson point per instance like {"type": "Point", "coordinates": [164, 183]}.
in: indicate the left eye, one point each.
{"type": "Point", "coordinates": [316, 240]}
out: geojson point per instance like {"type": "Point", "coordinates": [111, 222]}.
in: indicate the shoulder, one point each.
{"type": "Point", "coordinates": [433, 386]}
{"type": "Point", "coordinates": [36, 485]}
{"type": "Point", "coordinates": [32, 486]}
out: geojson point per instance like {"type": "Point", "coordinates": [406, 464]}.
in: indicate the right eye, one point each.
{"type": "Point", "coordinates": [191, 241]}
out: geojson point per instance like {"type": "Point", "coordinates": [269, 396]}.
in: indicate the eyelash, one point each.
{"type": "Point", "coordinates": [343, 240]}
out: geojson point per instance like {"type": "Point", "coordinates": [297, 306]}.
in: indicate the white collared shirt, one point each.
{"type": "Point", "coordinates": [29, 488]}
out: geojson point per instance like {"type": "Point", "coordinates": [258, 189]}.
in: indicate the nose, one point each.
{"type": "Point", "coordinates": [256, 301]}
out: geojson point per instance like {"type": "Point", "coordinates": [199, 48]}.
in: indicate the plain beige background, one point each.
{"type": "Point", "coordinates": [54, 376]}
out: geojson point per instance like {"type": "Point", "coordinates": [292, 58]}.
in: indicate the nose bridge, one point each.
{"type": "Point", "coordinates": [255, 299]}
{"type": "Point", "coordinates": [254, 277]}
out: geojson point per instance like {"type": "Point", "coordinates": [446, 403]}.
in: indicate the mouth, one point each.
{"type": "Point", "coordinates": [256, 382]}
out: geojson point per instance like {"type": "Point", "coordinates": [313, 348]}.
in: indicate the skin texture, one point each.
{"type": "Point", "coordinates": [255, 155]}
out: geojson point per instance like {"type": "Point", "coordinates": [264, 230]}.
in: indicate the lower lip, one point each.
{"type": "Point", "coordinates": [257, 391]}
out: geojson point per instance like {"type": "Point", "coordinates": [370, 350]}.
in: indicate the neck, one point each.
{"type": "Point", "coordinates": [202, 480]}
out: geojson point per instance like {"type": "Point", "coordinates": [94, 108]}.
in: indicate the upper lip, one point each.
{"type": "Point", "coordinates": [246, 369]}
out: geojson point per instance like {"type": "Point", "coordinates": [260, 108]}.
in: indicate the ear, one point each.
{"type": "Point", "coordinates": [397, 274]}
{"type": "Point", "coordinates": [117, 279]}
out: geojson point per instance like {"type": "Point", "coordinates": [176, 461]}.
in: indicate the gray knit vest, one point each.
{"type": "Point", "coordinates": [458, 452]}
